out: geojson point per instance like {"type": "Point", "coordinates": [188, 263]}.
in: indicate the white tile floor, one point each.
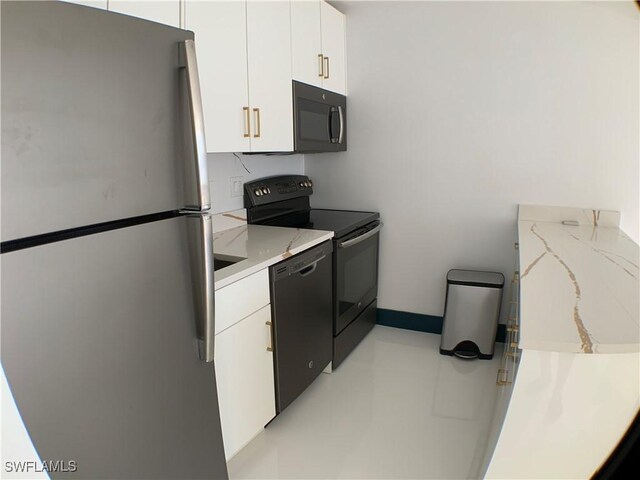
{"type": "Point", "coordinates": [395, 408]}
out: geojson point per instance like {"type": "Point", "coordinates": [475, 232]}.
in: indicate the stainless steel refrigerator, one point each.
{"type": "Point", "coordinates": [106, 265]}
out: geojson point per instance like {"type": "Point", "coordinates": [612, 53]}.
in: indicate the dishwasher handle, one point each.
{"type": "Point", "coordinates": [309, 269]}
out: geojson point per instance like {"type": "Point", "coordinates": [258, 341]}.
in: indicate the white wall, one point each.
{"type": "Point", "coordinates": [460, 111]}
{"type": "Point", "coordinates": [222, 166]}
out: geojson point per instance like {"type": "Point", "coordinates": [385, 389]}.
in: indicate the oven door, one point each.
{"type": "Point", "coordinates": [356, 272]}
{"type": "Point", "coordinates": [320, 121]}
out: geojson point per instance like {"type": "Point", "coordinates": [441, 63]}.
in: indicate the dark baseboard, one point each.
{"type": "Point", "coordinates": [419, 322]}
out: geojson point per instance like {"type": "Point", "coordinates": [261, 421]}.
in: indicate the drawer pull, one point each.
{"type": "Point", "coordinates": [256, 114]}
{"type": "Point", "coordinates": [501, 379]}
{"type": "Point", "coordinates": [247, 122]}
{"type": "Point", "coordinates": [270, 347]}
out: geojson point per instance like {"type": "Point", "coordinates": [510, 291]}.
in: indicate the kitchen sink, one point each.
{"type": "Point", "coordinates": [220, 262]}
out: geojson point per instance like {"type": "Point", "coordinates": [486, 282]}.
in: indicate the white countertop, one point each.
{"type": "Point", "coordinates": [579, 287]}
{"type": "Point", "coordinates": [260, 247]}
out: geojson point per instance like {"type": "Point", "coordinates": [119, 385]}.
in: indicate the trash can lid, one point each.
{"type": "Point", "coordinates": [475, 278]}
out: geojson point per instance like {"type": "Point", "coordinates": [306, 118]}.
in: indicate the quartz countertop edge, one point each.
{"type": "Point", "coordinates": [578, 288]}
{"type": "Point", "coordinates": [259, 247]}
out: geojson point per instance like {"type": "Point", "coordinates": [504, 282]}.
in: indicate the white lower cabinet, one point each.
{"type": "Point", "coordinates": [244, 362]}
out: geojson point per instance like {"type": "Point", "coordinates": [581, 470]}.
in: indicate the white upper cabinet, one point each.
{"type": "Point", "coordinates": [318, 41]}
{"type": "Point", "coordinates": [221, 45]}
{"type": "Point", "coordinates": [333, 24]}
{"type": "Point", "coordinates": [248, 53]}
{"type": "Point", "coordinates": [334, 49]}
{"type": "Point", "coordinates": [306, 42]}
{"type": "Point", "coordinates": [244, 60]}
{"type": "Point", "coordinates": [90, 3]}
{"type": "Point", "coordinates": [161, 11]}
{"type": "Point", "coordinates": [270, 89]}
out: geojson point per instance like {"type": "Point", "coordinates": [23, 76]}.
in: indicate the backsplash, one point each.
{"type": "Point", "coordinates": [224, 166]}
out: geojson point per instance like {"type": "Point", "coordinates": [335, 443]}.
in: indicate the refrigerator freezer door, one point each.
{"type": "Point", "coordinates": [93, 118]}
{"type": "Point", "coordinates": [100, 350]}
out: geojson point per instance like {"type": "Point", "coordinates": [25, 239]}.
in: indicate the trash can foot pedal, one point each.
{"type": "Point", "coordinates": [467, 350]}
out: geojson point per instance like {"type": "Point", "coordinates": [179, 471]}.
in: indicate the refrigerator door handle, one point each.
{"type": "Point", "coordinates": [201, 254]}
{"type": "Point", "coordinates": [198, 197]}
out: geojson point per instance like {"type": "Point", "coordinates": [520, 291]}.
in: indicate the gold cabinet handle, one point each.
{"type": "Point", "coordinates": [256, 113]}
{"type": "Point", "coordinates": [321, 62]}
{"type": "Point", "coordinates": [513, 328]}
{"type": "Point", "coordinates": [326, 73]}
{"type": "Point", "coordinates": [501, 379]}
{"type": "Point", "coordinates": [513, 354]}
{"type": "Point", "coordinates": [247, 122]}
{"type": "Point", "coordinates": [270, 347]}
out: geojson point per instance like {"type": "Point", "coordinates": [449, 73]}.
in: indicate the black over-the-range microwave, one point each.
{"type": "Point", "coordinates": [319, 119]}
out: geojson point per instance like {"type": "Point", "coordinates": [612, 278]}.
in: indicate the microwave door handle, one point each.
{"type": "Point", "coordinates": [332, 111]}
{"type": "Point", "coordinates": [361, 238]}
{"type": "Point", "coordinates": [198, 197]}
{"type": "Point", "coordinates": [341, 114]}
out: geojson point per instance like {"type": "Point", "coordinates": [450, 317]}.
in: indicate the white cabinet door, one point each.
{"type": "Point", "coordinates": [270, 89]}
{"type": "Point", "coordinates": [90, 3]}
{"type": "Point", "coordinates": [221, 44]}
{"type": "Point", "coordinates": [334, 49]}
{"type": "Point", "coordinates": [244, 373]}
{"type": "Point", "coordinates": [306, 44]}
{"type": "Point", "coordinates": [161, 11]}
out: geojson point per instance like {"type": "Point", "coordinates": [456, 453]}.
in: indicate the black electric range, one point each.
{"type": "Point", "coordinates": [284, 201]}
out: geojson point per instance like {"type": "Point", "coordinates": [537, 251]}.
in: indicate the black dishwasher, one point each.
{"type": "Point", "coordinates": [301, 302]}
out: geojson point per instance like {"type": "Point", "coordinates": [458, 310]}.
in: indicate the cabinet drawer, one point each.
{"type": "Point", "coordinates": [240, 299]}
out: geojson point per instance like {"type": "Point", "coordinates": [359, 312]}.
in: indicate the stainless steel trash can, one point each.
{"type": "Point", "coordinates": [471, 313]}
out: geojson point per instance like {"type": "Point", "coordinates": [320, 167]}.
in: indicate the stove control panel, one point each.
{"type": "Point", "coordinates": [275, 189]}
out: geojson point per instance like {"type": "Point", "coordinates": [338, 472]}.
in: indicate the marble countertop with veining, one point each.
{"type": "Point", "coordinates": [259, 247]}
{"type": "Point", "coordinates": [579, 288]}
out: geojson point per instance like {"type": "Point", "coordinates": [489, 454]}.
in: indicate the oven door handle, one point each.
{"type": "Point", "coordinates": [361, 238]}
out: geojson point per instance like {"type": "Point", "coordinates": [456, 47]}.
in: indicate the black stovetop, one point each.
{"type": "Point", "coordinates": [341, 222]}
{"type": "Point", "coordinates": [283, 201]}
